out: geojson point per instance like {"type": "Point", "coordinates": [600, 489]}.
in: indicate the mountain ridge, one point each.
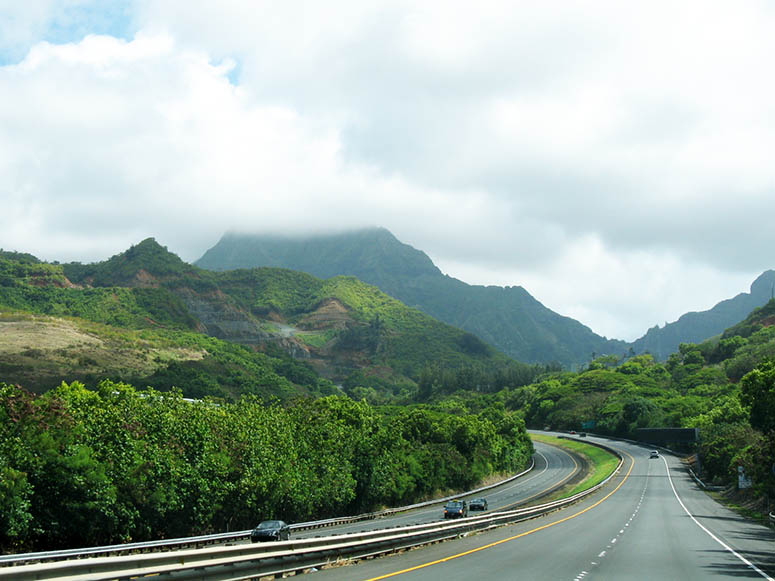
{"type": "Point", "coordinates": [696, 326]}
{"type": "Point", "coordinates": [509, 318]}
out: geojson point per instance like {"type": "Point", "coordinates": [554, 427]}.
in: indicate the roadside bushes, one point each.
{"type": "Point", "coordinates": [82, 467]}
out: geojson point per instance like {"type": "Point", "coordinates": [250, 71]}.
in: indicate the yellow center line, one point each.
{"type": "Point", "coordinates": [496, 543]}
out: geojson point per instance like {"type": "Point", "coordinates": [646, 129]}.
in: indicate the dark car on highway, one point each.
{"type": "Point", "coordinates": [478, 504]}
{"type": "Point", "coordinates": [271, 530]}
{"type": "Point", "coordinates": [455, 509]}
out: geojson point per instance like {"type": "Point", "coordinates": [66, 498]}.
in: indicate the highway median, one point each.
{"type": "Point", "coordinates": [599, 463]}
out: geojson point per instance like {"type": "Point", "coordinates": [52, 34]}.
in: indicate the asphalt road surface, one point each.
{"type": "Point", "coordinates": [650, 522]}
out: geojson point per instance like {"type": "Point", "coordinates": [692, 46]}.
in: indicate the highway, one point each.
{"type": "Point", "coordinates": [650, 522]}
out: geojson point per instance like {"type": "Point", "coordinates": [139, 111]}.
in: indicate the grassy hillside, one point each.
{"type": "Point", "coordinates": [40, 351]}
{"type": "Point", "coordinates": [139, 303]}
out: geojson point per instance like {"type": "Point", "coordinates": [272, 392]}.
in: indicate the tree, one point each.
{"type": "Point", "coordinates": [758, 393]}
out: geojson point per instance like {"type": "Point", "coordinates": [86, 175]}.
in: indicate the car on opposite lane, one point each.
{"type": "Point", "coordinates": [270, 530]}
{"type": "Point", "coordinates": [478, 504]}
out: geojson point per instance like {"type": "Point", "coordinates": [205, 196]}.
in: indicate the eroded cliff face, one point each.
{"type": "Point", "coordinates": [220, 318]}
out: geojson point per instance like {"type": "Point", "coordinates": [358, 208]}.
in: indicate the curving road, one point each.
{"type": "Point", "coordinates": [650, 522]}
{"type": "Point", "coordinates": [553, 467]}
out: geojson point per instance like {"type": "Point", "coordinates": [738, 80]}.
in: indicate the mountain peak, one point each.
{"type": "Point", "coordinates": [695, 327]}
{"type": "Point", "coordinates": [139, 265]}
{"type": "Point", "coordinates": [764, 284]}
{"type": "Point", "coordinates": [148, 255]}
{"type": "Point", "coordinates": [361, 253]}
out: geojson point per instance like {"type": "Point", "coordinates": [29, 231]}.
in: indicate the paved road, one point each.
{"type": "Point", "coordinates": [650, 522]}
{"type": "Point", "coordinates": [553, 467]}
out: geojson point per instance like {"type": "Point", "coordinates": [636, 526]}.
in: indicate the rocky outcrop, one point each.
{"type": "Point", "coordinates": [222, 320]}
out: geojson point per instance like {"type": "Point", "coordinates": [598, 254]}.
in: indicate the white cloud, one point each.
{"type": "Point", "coordinates": [144, 138]}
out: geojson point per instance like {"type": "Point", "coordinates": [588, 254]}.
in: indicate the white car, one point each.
{"type": "Point", "coordinates": [654, 454]}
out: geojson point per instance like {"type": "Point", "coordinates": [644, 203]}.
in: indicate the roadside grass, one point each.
{"type": "Point", "coordinates": [601, 463]}
{"type": "Point", "coordinates": [750, 508]}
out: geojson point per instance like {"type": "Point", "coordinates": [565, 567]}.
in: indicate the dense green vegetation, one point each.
{"type": "Point", "coordinates": [122, 269]}
{"type": "Point", "coordinates": [508, 318]}
{"type": "Point", "coordinates": [134, 308]}
{"type": "Point", "coordinates": [93, 460]}
{"type": "Point", "coordinates": [89, 467]}
{"type": "Point", "coordinates": [17, 269]}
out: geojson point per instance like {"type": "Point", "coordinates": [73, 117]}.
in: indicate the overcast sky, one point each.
{"type": "Point", "coordinates": [614, 158]}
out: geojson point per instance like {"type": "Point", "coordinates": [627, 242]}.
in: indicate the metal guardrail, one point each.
{"type": "Point", "coordinates": [204, 540]}
{"type": "Point", "coordinates": [255, 560]}
{"type": "Point", "coordinates": [772, 518]}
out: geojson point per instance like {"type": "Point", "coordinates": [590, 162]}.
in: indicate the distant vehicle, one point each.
{"type": "Point", "coordinates": [583, 435]}
{"type": "Point", "coordinates": [456, 509]}
{"type": "Point", "coordinates": [478, 504]}
{"type": "Point", "coordinates": [573, 432]}
{"type": "Point", "coordinates": [654, 454]}
{"type": "Point", "coordinates": [271, 530]}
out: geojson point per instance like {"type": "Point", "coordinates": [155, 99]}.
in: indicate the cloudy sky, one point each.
{"type": "Point", "coordinates": [616, 159]}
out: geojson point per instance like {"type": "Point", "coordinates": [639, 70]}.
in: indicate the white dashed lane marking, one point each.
{"type": "Point", "coordinates": [613, 541]}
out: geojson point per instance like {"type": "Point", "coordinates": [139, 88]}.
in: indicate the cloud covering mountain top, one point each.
{"type": "Point", "coordinates": [612, 159]}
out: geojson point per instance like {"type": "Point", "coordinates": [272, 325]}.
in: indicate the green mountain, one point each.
{"type": "Point", "coordinates": [697, 326]}
{"type": "Point", "coordinates": [270, 331]}
{"type": "Point", "coordinates": [508, 318]}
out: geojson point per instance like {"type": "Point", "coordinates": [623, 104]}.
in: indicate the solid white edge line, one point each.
{"type": "Point", "coordinates": [712, 536]}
